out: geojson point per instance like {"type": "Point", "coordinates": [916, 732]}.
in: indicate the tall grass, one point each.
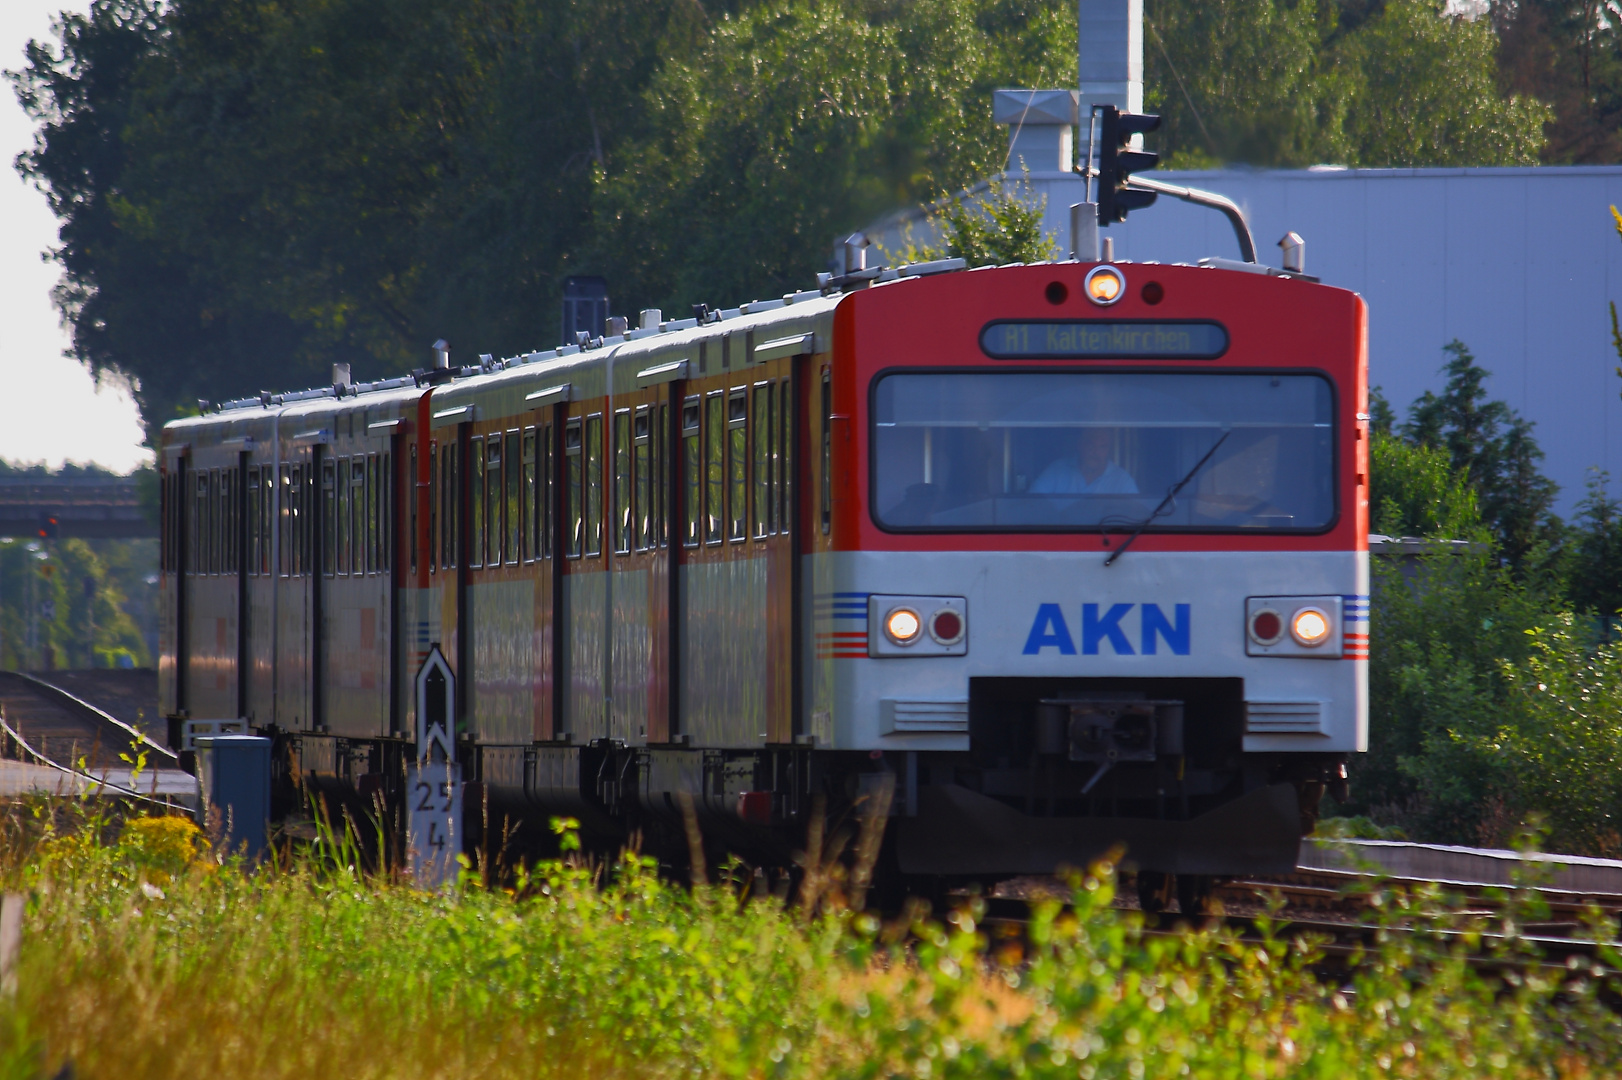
{"type": "Point", "coordinates": [147, 956]}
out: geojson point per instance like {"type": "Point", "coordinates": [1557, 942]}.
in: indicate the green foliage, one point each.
{"type": "Point", "coordinates": [146, 955]}
{"type": "Point", "coordinates": [1438, 645]}
{"type": "Point", "coordinates": [990, 227]}
{"type": "Point", "coordinates": [1566, 53]}
{"type": "Point", "coordinates": [1425, 92]}
{"type": "Point", "coordinates": [1415, 491]}
{"type": "Point", "coordinates": [1269, 82]}
{"type": "Point", "coordinates": [1560, 740]}
{"type": "Point", "coordinates": [68, 597]}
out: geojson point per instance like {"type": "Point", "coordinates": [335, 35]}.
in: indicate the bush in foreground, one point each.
{"type": "Point", "coordinates": [146, 957]}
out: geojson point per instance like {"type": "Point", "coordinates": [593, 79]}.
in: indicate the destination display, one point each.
{"type": "Point", "coordinates": [1098, 339]}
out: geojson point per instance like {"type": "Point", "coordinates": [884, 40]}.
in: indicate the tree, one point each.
{"type": "Point", "coordinates": [1425, 92]}
{"type": "Point", "coordinates": [1416, 491]}
{"type": "Point", "coordinates": [1269, 82]}
{"type": "Point", "coordinates": [1567, 53]}
{"type": "Point", "coordinates": [1495, 450]}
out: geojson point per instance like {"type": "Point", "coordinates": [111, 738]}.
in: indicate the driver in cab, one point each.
{"type": "Point", "coordinates": [1089, 471]}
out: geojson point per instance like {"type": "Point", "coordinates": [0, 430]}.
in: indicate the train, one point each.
{"type": "Point", "coordinates": [1065, 557]}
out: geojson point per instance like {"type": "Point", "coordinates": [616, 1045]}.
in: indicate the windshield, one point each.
{"type": "Point", "coordinates": [1020, 451]}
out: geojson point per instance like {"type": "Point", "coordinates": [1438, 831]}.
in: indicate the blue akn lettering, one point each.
{"type": "Point", "coordinates": [1050, 629]}
{"type": "Point", "coordinates": [1095, 630]}
{"type": "Point", "coordinates": [1154, 623]}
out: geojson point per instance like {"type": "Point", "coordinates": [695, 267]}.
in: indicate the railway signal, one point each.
{"type": "Point", "coordinates": [1118, 160]}
{"type": "Point", "coordinates": [49, 527]}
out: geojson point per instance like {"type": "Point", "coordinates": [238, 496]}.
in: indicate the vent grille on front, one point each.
{"type": "Point", "coordinates": [919, 717]}
{"type": "Point", "coordinates": [1284, 717]}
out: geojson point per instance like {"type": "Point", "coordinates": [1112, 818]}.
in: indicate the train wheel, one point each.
{"type": "Point", "coordinates": [1154, 890]}
{"type": "Point", "coordinates": [1194, 894]}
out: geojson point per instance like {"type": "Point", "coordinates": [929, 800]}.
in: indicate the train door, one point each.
{"type": "Point", "coordinates": [353, 556]}
{"type": "Point", "coordinates": [638, 540]}
{"type": "Point", "coordinates": [580, 607]}
{"type": "Point", "coordinates": [256, 640]}
{"type": "Point", "coordinates": [174, 644]}
{"type": "Point", "coordinates": [500, 605]}
{"type": "Point", "coordinates": [211, 616]}
{"type": "Point", "coordinates": [540, 467]}
{"type": "Point", "coordinates": [293, 553]}
{"type": "Point", "coordinates": [737, 596]}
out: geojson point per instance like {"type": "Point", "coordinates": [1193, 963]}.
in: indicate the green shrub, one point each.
{"type": "Point", "coordinates": [146, 956]}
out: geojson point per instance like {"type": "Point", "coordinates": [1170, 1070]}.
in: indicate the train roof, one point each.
{"type": "Point", "coordinates": [643, 356]}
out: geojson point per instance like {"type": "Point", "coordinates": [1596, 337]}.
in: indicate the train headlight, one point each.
{"type": "Point", "coordinates": [902, 626]}
{"type": "Point", "coordinates": [1104, 285]}
{"type": "Point", "coordinates": [1310, 626]}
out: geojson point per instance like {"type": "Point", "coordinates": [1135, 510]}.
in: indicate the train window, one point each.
{"type": "Point", "coordinates": [495, 530]}
{"type": "Point", "coordinates": [1018, 451]}
{"type": "Point", "coordinates": [622, 481]}
{"type": "Point", "coordinates": [661, 479]}
{"type": "Point", "coordinates": [737, 464]}
{"type": "Point", "coordinates": [714, 468]}
{"type": "Point", "coordinates": [594, 484]}
{"type": "Point", "coordinates": [374, 531]}
{"type": "Point", "coordinates": [284, 480]}
{"type": "Point", "coordinates": [785, 457]}
{"type": "Point", "coordinates": [572, 452]}
{"type": "Point", "coordinates": [475, 554]}
{"type": "Point", "coordinates": [329, 517]}
{"type": "Point", "coordinates": [827, 451]}
{"type": "Point", "coordinates": [642, 438]}
{"type": "Point", "coordinates": [345, 543]}
{"type": "Point", "coordinates": [545, 476]}
{"type": "Point", "coordinates": [515, 498]}
{"type": "Point", "coordinates": [385, 512]}
{"type": "Point", "coordinates": [295, 522]}
{"type": "Point", "coordinates": [304, 480]}
{"type": "Point", "coordinates": [692, 466]}
{"type": "Point", "coordinates": [450, 505]}
{"type": "Point", "coordinates": [216, 527]}
{"type": "Point", "coordinates": [527, 509]}
{"type": "Point", "coordinates": [253, 523]}
{"type": "Point", "coordinates": [267, 517]}
{"type": "Point", "coordinates": [411, 508]}
{"type": "Point", "coordinates": [762, 434]}
{"type": "Point", "coordinates": [432, 553]}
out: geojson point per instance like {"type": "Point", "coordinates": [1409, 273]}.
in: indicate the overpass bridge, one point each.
{"type": "Point", "coordinates": [90, 507]}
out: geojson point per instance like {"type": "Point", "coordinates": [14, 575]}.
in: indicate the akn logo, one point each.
{"type": "Point", "coordinates": [1051, 631]}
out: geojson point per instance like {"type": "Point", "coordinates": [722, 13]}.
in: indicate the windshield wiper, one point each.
{"type": "Point", "coordinates": [1171, 494]}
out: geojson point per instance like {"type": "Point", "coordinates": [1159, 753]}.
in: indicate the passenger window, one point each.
{"type": "Point", "coordinates": [374, 531]}
{"type": "Point", "coordinates": [622, 481]}
{"type": "Point", "coordinates": [661, 479]}
{"type": "Point", "coordinates": [762, 434]}
{"type": "Point", "coordinates": [572, 454]}
{"type": "Point", "coordinates": [737, 464]}
{"type": "Point", "coordinates": [529, 509]}
{"type": "Point", "coordinates": [514, 512]}
{"type": "Point", "coordinates": [642, 465]}
{"type": "Point", "coordinates": [785, 460]}
{"type": "Point", "coordinates": [692, 467]}
{"type": "Point", "coordinates": [494, 527]}
{"type": "Point", "coordinates": [329, 518]}
{"type": "Point", "coordinates": [450, 506]}
{"type": "Point", "coordinates": [253, 523]}
{"type": "Point", "coordinates": [475, 555]}
{"type": "Point", "coordinates": [714, 467]}
{"type": "Point", "coordinates": [544, 476]}
{"type": "Point", "coordinates": [827, 452]}
{"type": "Point", "coordinates": [594, 485]}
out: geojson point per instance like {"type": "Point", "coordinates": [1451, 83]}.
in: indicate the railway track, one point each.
{"type": "Point", "coordinates": [1530, 910]}
{"type": "Point", "coordinates": [76, 747]}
